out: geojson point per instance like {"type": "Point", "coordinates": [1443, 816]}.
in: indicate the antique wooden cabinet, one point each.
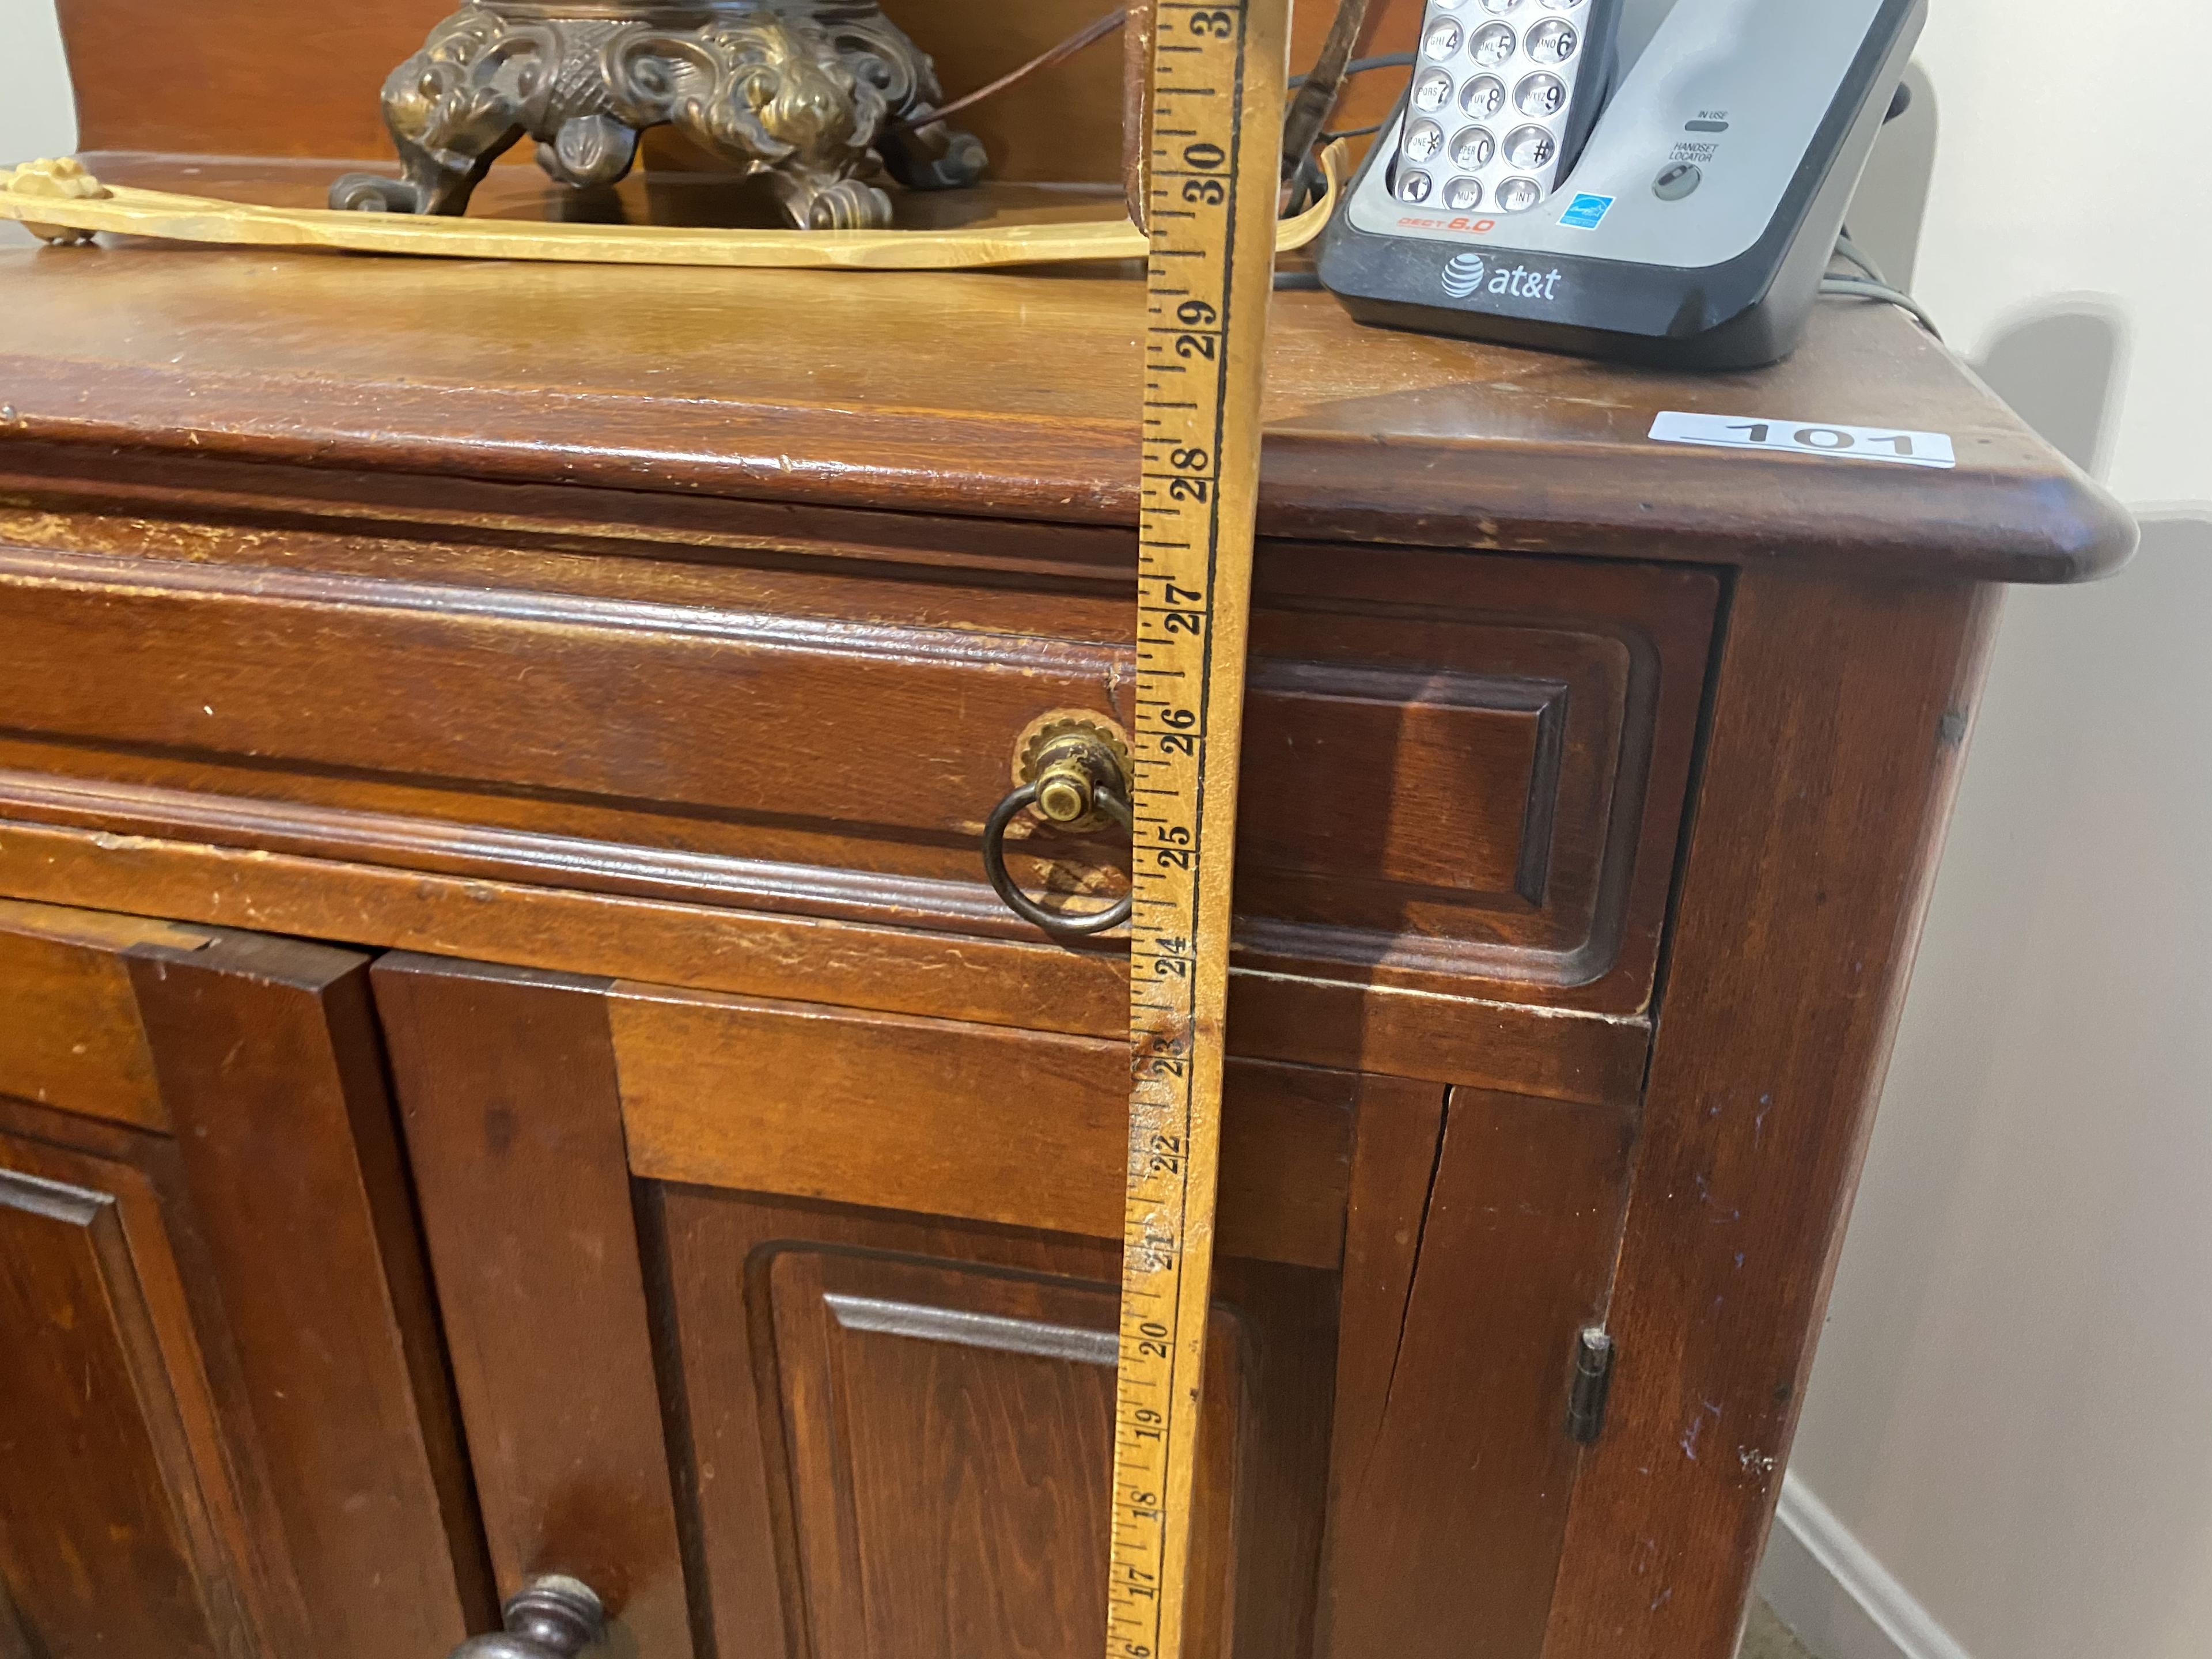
{"type": "Point", "coordinates": [509, 1064]}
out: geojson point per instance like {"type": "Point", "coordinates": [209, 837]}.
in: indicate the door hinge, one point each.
{"type": "Point", "coordinates": [1592, 1382]}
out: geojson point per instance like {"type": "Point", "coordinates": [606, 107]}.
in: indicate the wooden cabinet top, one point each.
{"type": "Point", "coordinates": [1007, 395]}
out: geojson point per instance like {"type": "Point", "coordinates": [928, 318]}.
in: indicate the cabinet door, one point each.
{"type": "Point", "coordinates": [791, 1328]}
{"type": "Point", "coordinates": [224, 1422]}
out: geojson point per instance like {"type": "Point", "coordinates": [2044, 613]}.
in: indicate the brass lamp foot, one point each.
{"type": "Point", "coordinates": [802, 92]}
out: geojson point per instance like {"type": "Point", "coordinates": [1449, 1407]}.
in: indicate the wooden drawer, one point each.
{"type": "Point", "coordinates": [1484, 785]}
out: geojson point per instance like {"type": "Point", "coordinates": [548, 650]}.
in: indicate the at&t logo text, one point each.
{"type": "Point", "coordinates": [1468, 274]}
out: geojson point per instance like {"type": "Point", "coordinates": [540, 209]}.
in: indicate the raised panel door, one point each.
{"type": "Point", "coordinates": [225, 1426]}
{"type": "Point", "coordinates": [768, 1324]}
{"type": "Point", "coordinates": [949, 1431]}
{"type": "Point", "coordinates": [111, 1541]}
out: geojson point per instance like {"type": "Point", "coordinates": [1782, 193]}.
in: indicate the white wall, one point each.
{"type": "Point", "coordinates": [36, 116]}
{"type": "Point", "coordinates": [2012, 1409]}
{"type": "Point", "coordinates": [2009, 1436]}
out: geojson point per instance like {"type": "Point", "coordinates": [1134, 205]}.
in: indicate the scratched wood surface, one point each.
{"type": "Point", "coordinates": [941, 397]}
{"type": "Point", "coordinates": [564, 621]}
{"type": "Point", "coordinates": [851, 1389]}
{"type": "Point", "coordinates": [1507, 775]}
{"type": "Point", "coordinates": [1840, 722]}
{"type": "Point", "coordinates": [223, 1403]}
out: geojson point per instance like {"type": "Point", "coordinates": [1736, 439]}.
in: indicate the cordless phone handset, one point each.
{"type": "Point", "coordinates": [1503, 94]}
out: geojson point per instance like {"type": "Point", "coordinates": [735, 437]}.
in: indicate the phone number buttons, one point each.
{"type": "Point", "coordinates": [1482, 97]}
{"type": "Point", "coordinates": [1552, 41]}
{"type": "Point", "coordinates": [1472, 149]}
{"type": "Point", "coordinates": [1494, 44]}
{"type": "Point", "coordinates": [1517, 74]}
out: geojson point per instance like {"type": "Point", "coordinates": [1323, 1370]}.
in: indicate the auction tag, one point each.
{"type": "Point", "coordinates": [1853, 443]}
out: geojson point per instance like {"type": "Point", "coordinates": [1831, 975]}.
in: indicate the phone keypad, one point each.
{"type": "Point", "coordinates": [1490, 102]}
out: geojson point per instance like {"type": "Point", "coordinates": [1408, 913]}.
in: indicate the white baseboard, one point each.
{"type": "Point", "coordinates": [1840, 1601]}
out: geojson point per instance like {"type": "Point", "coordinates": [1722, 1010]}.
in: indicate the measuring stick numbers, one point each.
{"type": "Point", "coordinates": [1216, 96]}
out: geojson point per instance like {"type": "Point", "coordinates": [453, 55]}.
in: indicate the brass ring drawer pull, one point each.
{"type": "Point", "coordinates": [553, 1617]}
{"type": "Point", "coordinates": [1074, 777]}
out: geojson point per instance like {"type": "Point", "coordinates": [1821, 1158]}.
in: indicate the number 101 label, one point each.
{"type": "Point", "coordinates": [1853, 443]}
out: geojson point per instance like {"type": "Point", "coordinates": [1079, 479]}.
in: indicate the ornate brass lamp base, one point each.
{"type": "Point", "coordinates": [806, 93]}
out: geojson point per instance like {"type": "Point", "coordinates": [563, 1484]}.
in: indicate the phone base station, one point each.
{"type": "Point", "coordinates": [1694, 228]}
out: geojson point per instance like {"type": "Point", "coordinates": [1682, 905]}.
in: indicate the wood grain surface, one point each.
{"type": "Point", "coordinates": [663, 637]}
{"type": "Point", "coordinates": [1841, 717]}
{"type": "Point", "coordinates": [940, 1117]}
{"type": "Point", "coordinates": [931, 1445]}
{"type": "Point", "coordinates": [225, 1394]}
{"type": "Point", "coordinates": [70, 1035]}
{"type": "Point", "coordinates": [790, 725]}
{"type": "Point", "coordinates": [507, 1086]}
{"type": "Point", "coordinates": [109, 1540]}
{"type": "Point", "coordinates": [1513, 1256]}
{"type": "Point", "coordinates": [273, 1072]}
{"type": "Point", "coordinates": [1536, 1050]}
{"type": "Point", "coordinates": [805, 1424]}
{"type": "Point", "coordinates": [989, 237]}
{"type": "Point", "coordinates": [1399, 1136]}
{"type": "Point", "coordinates": [950, 1437]}
{"type": "Point", "coordinates": [1010, 396]}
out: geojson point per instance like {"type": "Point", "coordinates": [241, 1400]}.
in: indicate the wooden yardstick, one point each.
{"type": "Point", "coordinates": [1217, 86]}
